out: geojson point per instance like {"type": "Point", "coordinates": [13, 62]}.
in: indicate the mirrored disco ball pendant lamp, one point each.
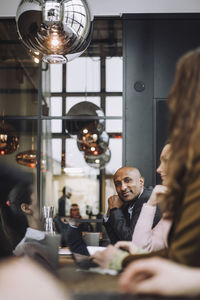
{"type": "Point", "coordinates": [60, 30]}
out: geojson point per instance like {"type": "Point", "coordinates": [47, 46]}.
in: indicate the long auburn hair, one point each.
{"type": "Point", "coordinates": [184, 130]}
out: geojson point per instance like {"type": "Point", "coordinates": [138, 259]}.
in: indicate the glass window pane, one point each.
{"type": "Point", "coordinates": [114, 71]}
{"type": "Point", "coordinates": [55, 77]}
{"type": "Point", "coordinates": [114, 125]}
{"type": "Point", "coordinates": [71, 101]}
{"type": "Point", "coordinates": [83, 75]}
{"type": "Point", "coordinates": [81, 178]}
{"type": "Point", "coordinates": [114, 106]}
{"type": "Point", "coordinates": [56, 126]}
{"type": "Point", "coordinates": [56, 149]}
{"type": "Point", "coordinates": [56, 155]}
{"type": "Point", "coordinates": [115, 146]}
{"type": "Point", "coordinates": [55, 106]}
{"type": "Point", "coordinates": [75, 157]}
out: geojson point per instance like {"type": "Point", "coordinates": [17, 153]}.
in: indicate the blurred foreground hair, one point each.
{"type": "Point", "coordinates": [184, 129]}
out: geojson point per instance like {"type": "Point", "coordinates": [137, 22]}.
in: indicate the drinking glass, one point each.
{"type": "Point", "coordinates": [48, 212]}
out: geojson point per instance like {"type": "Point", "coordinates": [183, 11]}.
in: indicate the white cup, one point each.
{"type": "Point", "coordinates": [92, 238]}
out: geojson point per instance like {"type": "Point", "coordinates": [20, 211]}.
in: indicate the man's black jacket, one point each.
{"type": "Point", "coordinates": [119, 226]}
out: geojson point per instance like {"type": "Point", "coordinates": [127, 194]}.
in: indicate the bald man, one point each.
{"type": "Point", "coordinates": [125, 207]}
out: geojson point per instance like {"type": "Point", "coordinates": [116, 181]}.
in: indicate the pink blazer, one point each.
{"type": "Point", "coordinates": [147, 238]}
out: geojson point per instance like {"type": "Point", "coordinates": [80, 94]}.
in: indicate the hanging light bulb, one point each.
{"type": "Point", "coordinates": [55, 41]}
{"type": "Point", "coordinates": [9, 141]}
{"type": "Point", "coordinates": [60, 30]}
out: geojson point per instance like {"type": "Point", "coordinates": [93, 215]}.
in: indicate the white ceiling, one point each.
{"type": "Point", "coordinates": [118, 7]}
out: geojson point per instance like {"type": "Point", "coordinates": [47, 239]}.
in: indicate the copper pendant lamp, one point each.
{"type": "Point", "coordinates": [27, 158]}
{"type": "Point", "coordinates": [9, 140]}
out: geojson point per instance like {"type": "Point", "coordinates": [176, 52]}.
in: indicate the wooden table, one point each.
{"type": "Point", "coordinates": [83, 281]}
{"type": "Point", "coordinates": [85, 285]}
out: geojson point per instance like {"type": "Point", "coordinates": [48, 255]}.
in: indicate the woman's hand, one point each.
{"type": "Point", "coordinates": [158, 190]}
{"type": "Point", "coordinates": [128, 246]}
{"type": "Point", "coordinates": [103, 258]}
{"type": "Point", "coordinates": [159, 276]}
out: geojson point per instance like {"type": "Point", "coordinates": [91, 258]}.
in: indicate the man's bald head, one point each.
{"type": "Point", "coordinates": [128, 183]}
{"type": "Point", "coordinates": [127, 169]}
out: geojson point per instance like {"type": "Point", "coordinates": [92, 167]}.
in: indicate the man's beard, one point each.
{"type": "Point", "coordinates": [127, 203]}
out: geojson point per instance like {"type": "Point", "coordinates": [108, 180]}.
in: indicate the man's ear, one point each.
{"type": "Point", "coordinates": [26, 209]}
{"type": "Point", "coordinates": [142, 181]}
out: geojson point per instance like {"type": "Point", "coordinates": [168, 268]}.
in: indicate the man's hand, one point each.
{"type": "Point", "coordinates": [158, 190]}
{"type": "Point", "coordinates": [114, 202]}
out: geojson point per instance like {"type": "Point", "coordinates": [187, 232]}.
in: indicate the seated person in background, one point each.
{"type": "Point", "coordinates": [75, 214]}
{"type": "Point", "coordinates": [124, 209]}
{"type": "Point", "coordinates": [162, 277]}
{"type": "Point", "coordinates": [71, 231]}
{"type": "Point", "coordinates": [144, 237]}
{"type": "Point", "coordinates": [64, 224]}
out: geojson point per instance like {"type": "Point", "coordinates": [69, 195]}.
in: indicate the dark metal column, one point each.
{"type": "Point", "coordinates": [102, 172]}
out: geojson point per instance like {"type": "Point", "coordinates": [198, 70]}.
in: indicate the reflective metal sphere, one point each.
{"type": "Point", "coordinates": [59, 29]}
{"type": "Point", "coordinates": [98, 161]}
{"type": "Point", "coordinates": [85, 108]}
